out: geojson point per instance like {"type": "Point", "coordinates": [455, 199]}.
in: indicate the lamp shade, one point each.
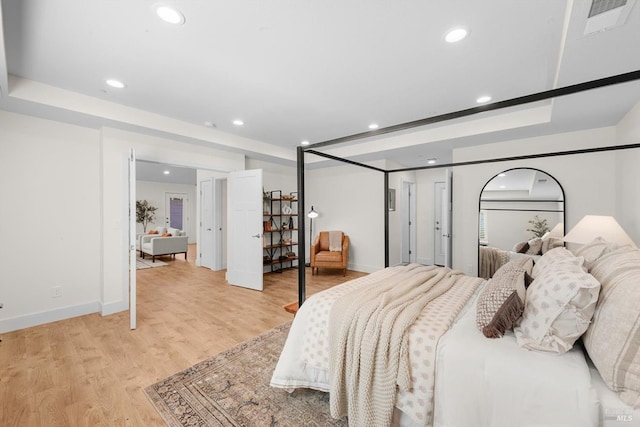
{"type": "Point", "coordinates": [592, 226]}
{"type": "Point", "coordinates": [312, 213]}
{"type": "Point", "coordinates": [557, 231]}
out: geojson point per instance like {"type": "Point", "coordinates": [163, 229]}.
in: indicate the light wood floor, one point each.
{"type": "Point", "coordinates": [91, 370]}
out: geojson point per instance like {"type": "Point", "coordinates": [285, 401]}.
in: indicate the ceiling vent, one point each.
{"type": "Point", "coordinates": [606, 14]}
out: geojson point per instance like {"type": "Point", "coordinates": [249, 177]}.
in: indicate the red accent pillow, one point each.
{"type": "Point", "coordinates": [153, 232]}
{"type": "Point", "coordinates": [166, 234]}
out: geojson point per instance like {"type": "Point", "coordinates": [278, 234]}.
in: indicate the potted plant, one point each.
{"type": "Point", "coordinates": [538, 226]}
{"type": "Point", "coordinates": [145, 213]}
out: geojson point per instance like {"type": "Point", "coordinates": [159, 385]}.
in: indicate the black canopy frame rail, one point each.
{"type": "Point", "coordinates": [540, 96]}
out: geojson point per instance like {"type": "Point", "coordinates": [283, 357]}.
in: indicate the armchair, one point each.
{"type": "Point", "coordinates": [321, 256]}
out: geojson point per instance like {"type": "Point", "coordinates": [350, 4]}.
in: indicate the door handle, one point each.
{"type": "Point", "coordinates": [256, 235]}
{"type": "Point", "coordinates": [437, 228]}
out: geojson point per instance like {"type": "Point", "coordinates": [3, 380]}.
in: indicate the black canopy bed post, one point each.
{"type": "Point", "coordinates": [302, 245]}
{"type": "Point", "coordinates": [386, 219]}
{"type": "Point", "coordinates": [540, 96]}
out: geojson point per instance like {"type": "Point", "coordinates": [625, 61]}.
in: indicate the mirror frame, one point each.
{"type": "Point", "coordinates": [564, 202]}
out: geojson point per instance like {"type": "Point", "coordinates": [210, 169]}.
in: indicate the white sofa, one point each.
{"type": "Point", "coordinates": [156, 245]}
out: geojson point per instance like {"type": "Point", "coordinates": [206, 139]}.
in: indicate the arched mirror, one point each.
{"type": "Point", "coordinates": [522, 213]}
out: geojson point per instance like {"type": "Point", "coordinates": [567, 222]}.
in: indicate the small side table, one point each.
{"type": "Point", "coordinates": [292, 307]}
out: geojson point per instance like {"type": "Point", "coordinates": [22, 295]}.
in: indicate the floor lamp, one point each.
{"type": "Point", "coordinates": [312, 214]}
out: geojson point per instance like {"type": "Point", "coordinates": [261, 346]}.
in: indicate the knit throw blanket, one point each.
{"type": "Point", "coordinates": [369, 359]}
{"type": "Point", "coordinates": [335, 241]}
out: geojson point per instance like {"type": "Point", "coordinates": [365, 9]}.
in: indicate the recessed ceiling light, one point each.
{"type": "Point", "coordinates": [373, 126]}
{"type": "Point", "coordinates": [115, 83]}
{"type": "Point", "coordinates": [166, 172]}
{"type": "Point", "coordinates": [502, 175]}
{"type": "Point", "coordinates": [483, 99]}
{"type": "Point", "coordinates": [238, 122]}
{"type": "Point", "coordinates": [503, 186]}
{"type": "Point", "coordinates": [431, 161]}
{"type": "Point", "coordinates": [304, 143]}
{"type": "Point", "coordinates": [169, 14]}
{"type": "Point", "coordinates": [455, 35]}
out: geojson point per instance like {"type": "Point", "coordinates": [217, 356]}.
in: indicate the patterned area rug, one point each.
{"type": "Point", "coordinates": [232, 389]}
{"type": "Point", "coordinates": [147, 263]}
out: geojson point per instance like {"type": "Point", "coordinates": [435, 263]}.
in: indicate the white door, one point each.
{"type": "Point", "coordinates": [220, 223]}
{"type": "Point", "coordinates": [132, 239]}
{"type": "Point", "coordinates": [408, 222]}
{"type": "Point", "coordinates": [206, 224]}
{"type": "Point", "coordinates": [177, 211]}
{"type": "Point", "coordinates": [244, 258]}
{"type": "Point", "coordinates": [438, 235]}
{"type": "Point", "coordinates": [447, 211]}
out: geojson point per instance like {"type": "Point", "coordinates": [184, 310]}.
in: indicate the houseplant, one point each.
{"type": "Point", "coordinates": [145, 213]}
{"type": "Point", "coordinates": [538, 226]}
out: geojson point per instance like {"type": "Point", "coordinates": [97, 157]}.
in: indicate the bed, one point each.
{"type": "Point", "coordinates": [453, 375]}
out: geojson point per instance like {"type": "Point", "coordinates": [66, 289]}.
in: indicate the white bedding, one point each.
{"type": "Point", "coordinates": [480, 381]}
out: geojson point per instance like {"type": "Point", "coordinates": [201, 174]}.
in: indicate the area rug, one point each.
{"type": "Point", "coordinates": [232, 389]}
{"type": "Point", "coordinates": [147, 263]}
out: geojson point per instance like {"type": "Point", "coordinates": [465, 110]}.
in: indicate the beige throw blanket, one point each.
{"type": "Point", "coordinates": [491, 259]}
{"type": "Point", "coordinates": [368, 343]}
{"type": "Point", "coordinates": [335, 241]}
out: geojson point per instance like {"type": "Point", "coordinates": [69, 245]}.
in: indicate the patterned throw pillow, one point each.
{"type": "Point", "coordinates": [501, 302]}
{"type": "Point", "coordinates": [535, 246]}
{"type": "Point", "coordinates": [593, 250]}
{"type": "Point", "coordinates": [558, 309]}
{"type": "Point", "coordinates": [551, 257]}
{"type": "Point", "coordinates": [612, 338]}
{"type": "Point", "coordinates": [521, 247]}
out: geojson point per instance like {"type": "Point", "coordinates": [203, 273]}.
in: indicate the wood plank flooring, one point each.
{"type": "Point", "coordinates": [91, 370]}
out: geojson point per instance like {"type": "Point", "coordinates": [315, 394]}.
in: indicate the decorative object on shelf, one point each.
{"type": "Point", "coordinates": [280, 230]}
{"type": "Point", "coordinates": [266, 200]}
{"type": "Point", "coordinates": [290, 254]}
{"type": "Point", "coordinates": [145, 213]}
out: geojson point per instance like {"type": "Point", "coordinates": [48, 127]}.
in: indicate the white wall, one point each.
{"type": "Point", "coordinates": [589, 181]}
{"type": "Point", "coordinates": [49, 221]}
{"type": "Point", "coordinates": [115, 145]}
{"type": "Point", "coordinates": [351, 199]}
{"type": "Point", "coordinates": [628, 175]}
{"type": "Point", "coordinates": [155, 193]}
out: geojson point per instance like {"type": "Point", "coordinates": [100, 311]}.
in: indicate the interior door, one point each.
{"type": "Point", "coordinates": [244, 259]}
{"type": "Point", "coordinates": [408, 222]}
{"type": "Point", "coordinates": [206, 224]}
{"type": "Point", "coordinates": [220, 223]}
{"type": "Point", "coordinates": [438, 233]}
{"type": "Point", "coordinates": [447, 217]}
{"type": "Point", "coordinates": [132, 240]}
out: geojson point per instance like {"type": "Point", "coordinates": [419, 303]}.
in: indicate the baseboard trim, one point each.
{"type": "Point", "coordinates": [113, 307]}
{"type": "Point", "coordinates": [35, 319]}
{"type": "Point", "coordinates": [425, 261]}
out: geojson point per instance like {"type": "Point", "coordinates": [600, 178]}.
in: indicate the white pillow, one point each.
{"type": "Point", "coordinates": [559, 306]}
{"type": "Point", "coordinates": [551, 257]}
{"type": "Point", "coordinates": [595, 249]}
{"type": "Point", "coordinates": [173, 231]}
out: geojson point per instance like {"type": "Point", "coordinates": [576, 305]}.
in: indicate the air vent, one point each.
{"type": "Point", "coordinates": [606, 14]}
{"type": "Point", "coordinates": [602, 6]}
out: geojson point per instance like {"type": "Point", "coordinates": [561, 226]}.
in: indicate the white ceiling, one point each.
{"type": "Point", "coordinates": [301, 70]}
